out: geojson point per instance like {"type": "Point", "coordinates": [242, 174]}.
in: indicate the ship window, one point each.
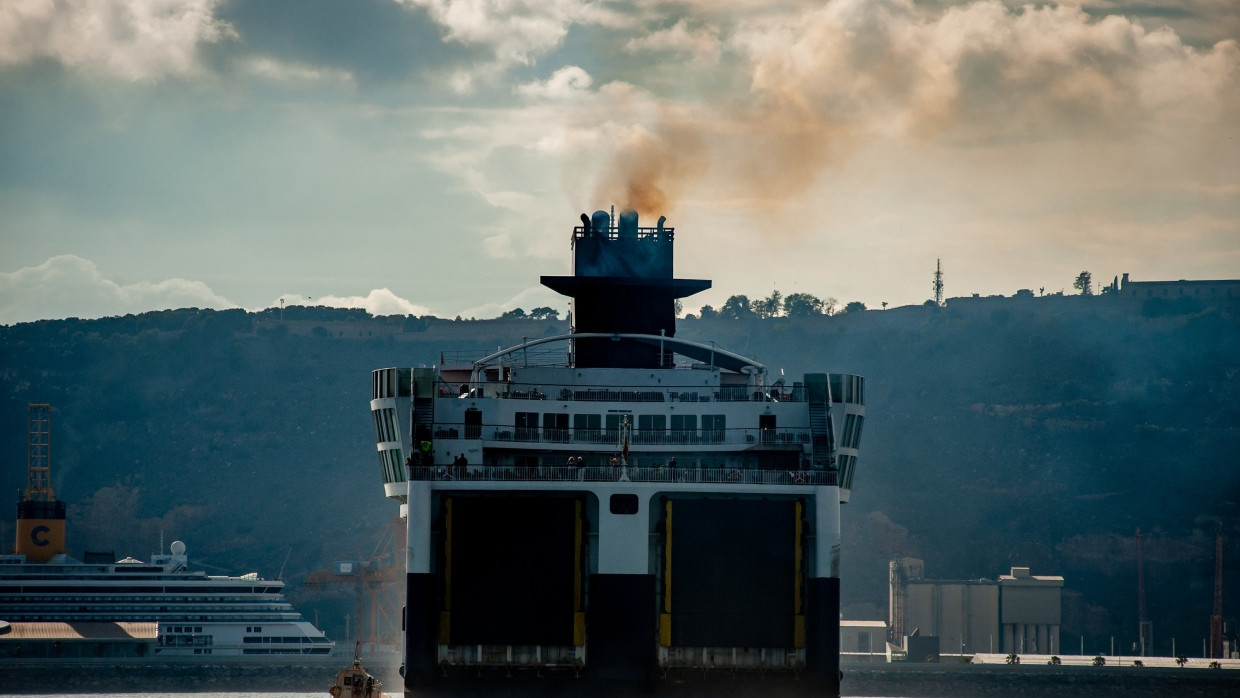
{"type": "Point", "coordinates": [624, 504]}
{"type": "Point", "coordinates": [526, 426]}
{"type": "Point", "coordinates": [555, 427]}
{"type": "Point", "coordinates": [652, 422]}
{"type": "Point", "coordinates": [587, 427]}
{"type": "Point", "coordinates": [766, 425]}
{"type": "Point", "coordinates": [684, 427]}
{"type": "Point", "coordinates": [473, 423]}
{"type": "Point", "coordinates": [613, 426]}
{"type": "Point", "coordinates": [713, 426]}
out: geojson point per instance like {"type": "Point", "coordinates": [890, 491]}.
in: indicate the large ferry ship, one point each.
{"type": "Point", "coordinates": [617, 505]}
{"type": "Point", "coordinates": [101, 608]}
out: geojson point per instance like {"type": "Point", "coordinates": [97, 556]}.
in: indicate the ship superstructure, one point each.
{"type": "Point", "coordinates": [159, 606]}
{"type": "Point", "coordinates": [60, 608]}
{"type": "Point", "coordinates": [619, 503]}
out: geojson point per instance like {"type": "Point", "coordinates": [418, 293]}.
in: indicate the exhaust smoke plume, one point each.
{"type": "Point", "coordinates": [854, 72]}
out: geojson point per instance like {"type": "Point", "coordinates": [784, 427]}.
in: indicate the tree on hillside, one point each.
{"type": "Point", "coordinates": [735, 308]}
{"type": "Point", "coordinates": [514, 313]}
{"type": "Point", "coordinates": [802, 305]}
{"type": "Point", "coordinates": [769, 306]}
{"type": "Point", "coordinates": [544, 313]}
{"type": "Point", "coordinates": [854, 307]}
{"type": "Point", "coordinates": [707, 312]}
{"type": "Point", "coordinates": [1084, 283]}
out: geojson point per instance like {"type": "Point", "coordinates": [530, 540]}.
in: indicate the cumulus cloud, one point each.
{"type": "Point", "coordinates": [528, 299]}
{"type": "Point", "coordinates": [380, 301]}
{"type": "Point", "coordinates": [267, 68]}
{"type": "Point", "coordinates": [567, 83]}
{"type": "Point", "coordinates": [514, 32]}
{"type": "Point", "coordinates": [699, 43]}
{"type": "Point", "coordinates": [130, 39]}
{"type": "Point", "coordinates": [67, 285]}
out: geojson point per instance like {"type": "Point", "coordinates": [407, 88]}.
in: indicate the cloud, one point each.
{"type": "Point", "coordinates": [567, 83]}
{"type": "Point", "coordinates": [267, 68]}
{"type": "Point", "coordinates": [528, 299]}
{"type": "Point", "coordinates": [129, 39]}
{"type": "Point", "coordinates": [380, 301]}
{"type": "Point", "coordinates": [67, 285]}
{"type": "Point", "coordinates": [700, 44]}
{"type": "Point", "coordinates": [513, 32]}
{"type": "Point", "coordinates": [380, 43]}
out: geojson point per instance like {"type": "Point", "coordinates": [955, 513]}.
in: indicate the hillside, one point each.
{"type": "Point", "coordinates": [1039, 432]}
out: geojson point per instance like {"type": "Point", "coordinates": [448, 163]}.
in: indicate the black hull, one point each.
{"type": "Point", "coordinates": [619, 665]}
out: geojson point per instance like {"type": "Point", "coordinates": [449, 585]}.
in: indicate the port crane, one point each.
{"type": "Point", "coordinates": [1216, 618]}
{"type": "Point", "coordinates": [1144, 626]}
{"type": "Point", "coordinates": [375, 581]}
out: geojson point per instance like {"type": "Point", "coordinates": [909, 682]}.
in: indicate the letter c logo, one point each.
{"type": "Point", "coordinates": [38, 533]}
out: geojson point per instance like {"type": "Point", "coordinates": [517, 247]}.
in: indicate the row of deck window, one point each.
{"type": "Point", "coordinates": [612, 422]}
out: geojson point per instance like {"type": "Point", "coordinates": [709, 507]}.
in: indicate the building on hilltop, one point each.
{"type": "Point", "coordinates": [1014, 614]}
{"type": "Point", "coordinates": [1212, 290]}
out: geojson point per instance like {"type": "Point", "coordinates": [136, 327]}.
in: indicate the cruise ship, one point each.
{"type": "Point", "coordinates": [618, 506]}
{"type": "Point", "coordinates": [62, 608]}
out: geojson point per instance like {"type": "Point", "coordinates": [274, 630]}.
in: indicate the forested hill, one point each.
{"type": "Point", "coordinates": [1000, 432]}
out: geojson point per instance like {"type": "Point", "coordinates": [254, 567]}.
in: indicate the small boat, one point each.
{"type": "Point", "coordinates": [355, 681]}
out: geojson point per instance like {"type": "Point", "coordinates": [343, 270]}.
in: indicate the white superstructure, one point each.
{"type": "Point", "coordinates": [195, 615]}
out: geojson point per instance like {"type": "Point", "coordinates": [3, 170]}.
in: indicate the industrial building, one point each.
{"type": "Point", "coordinates": [1014, 614]}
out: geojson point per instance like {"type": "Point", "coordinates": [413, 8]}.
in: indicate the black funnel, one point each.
{"type": "Point", "coordinates": [622, 284]}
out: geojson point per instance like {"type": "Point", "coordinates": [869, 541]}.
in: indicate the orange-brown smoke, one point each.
{"type": "Point", "coordinates": [650, 170]}
{"type": "Point", "coordinates": [851, 71]}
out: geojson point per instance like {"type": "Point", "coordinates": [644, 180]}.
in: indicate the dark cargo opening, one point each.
{"type": "Point", "coordinates": [511, 570]}
{"type": "Point", "coordinates": [733, 573]}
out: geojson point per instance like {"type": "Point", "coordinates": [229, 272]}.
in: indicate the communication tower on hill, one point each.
{"type": "Point", "coordinates": [938, 282]}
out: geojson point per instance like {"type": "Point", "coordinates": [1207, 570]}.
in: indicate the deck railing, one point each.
{"type": "Point", "coordinates": [639, 437]}
{"type": "Point", "coordinates": [728, 476]}
{"type": "Point", "coordinates": [642, 393]}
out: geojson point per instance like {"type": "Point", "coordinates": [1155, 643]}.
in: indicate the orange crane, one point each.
{"type": "Point", "coordinates": [376, 582]}
{"type": "Point", "coordinates": [40, 516]}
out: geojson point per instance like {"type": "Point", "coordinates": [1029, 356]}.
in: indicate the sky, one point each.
{"type": "Point", "coordinates": [432, 156]}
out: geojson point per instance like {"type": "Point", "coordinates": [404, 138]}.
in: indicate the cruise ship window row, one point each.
{"type": "Point", "coordinates": [36, 593]}
{"type": "Point", "coordinates": [308, 650]}
{"type": "Point", "coordinates": [208, 593]}
{"type": "Point", "coordinates": [283, 639]}
{"type": "Point", "coordinates": [164, 603]}
{"type": "Point", "coordinates": [186, 640]}
{"type": "Point", "coordinates": [18, 605]}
